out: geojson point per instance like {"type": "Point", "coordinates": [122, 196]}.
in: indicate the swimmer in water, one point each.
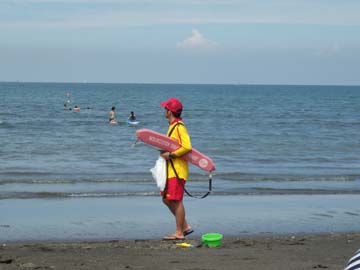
{"type": "Point", "coordinates": [112, 114]}
{"type": "Point", "coordinates": [132, 116]}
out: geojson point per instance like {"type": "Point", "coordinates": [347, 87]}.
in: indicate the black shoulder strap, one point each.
{"type": "Point", "coordinates": [187, 192]}
{"type": "Point", "coordinates": [171, 131]}
{"type": "Point", "coordinates": [177, 176]}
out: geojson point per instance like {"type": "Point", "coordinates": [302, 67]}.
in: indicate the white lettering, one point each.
{"type": "Point", "coordinates": [203, 163]}
{"type": "Point", "coordinates": [159, 141]}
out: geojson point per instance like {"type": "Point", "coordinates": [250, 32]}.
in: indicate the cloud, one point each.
{"type": "Point", "coordinates": [196, 42]}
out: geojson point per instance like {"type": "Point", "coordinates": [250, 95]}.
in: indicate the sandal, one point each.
{"type": "Point", "coordinates": [189, 231]}
{"type": "Point", "coordinates": [173, 238]}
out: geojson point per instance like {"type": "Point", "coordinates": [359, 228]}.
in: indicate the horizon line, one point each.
{"type": "Point", "coordinates": [180, 83]}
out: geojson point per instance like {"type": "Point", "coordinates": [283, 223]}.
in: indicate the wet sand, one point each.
{"type": "Point", "coordinates": [126, 218]}
{"type": "Point", "coordinates": [327, 251]}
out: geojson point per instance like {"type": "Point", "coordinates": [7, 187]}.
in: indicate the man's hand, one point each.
{"type": "Point", "coordinates": [166, 155]}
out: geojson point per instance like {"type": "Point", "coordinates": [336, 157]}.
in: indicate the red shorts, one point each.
{"type": "Point", "coordinates": [174, 190]}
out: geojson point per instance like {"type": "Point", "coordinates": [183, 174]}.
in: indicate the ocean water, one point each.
{"type": "Point", "coordinates": [264, 139]}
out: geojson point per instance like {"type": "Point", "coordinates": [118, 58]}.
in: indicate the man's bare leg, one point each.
{"type": "Point", "coordinates": [178, 210]}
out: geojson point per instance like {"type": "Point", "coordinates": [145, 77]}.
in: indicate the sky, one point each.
{"type": "Point", "coordinates": [181, 41]}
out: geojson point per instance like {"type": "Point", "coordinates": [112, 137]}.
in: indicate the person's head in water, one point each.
{"type": "Point", "coordinates": [174, 106]}
{"type": "Point", "coordinates": [113, 108]}
{"type": "Point", "coordinates": [132, 116]}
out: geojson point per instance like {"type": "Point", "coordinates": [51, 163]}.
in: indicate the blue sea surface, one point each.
{"type": "Point", "coordinates": [287, 160]}
{"type": "Point", "coordinates": [264, 139]}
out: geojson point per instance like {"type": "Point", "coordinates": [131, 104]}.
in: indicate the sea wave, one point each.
{"type": "Point", "coordinates": [235, 176]}
{"type": "Point", "coordinates": [54, 195]}
{"type": "Point", "coordinates": [72, 181]}
{"type": "Point", "coordinates": [243, 192]}
{"type": "Point", "coordinates": [146, 178]}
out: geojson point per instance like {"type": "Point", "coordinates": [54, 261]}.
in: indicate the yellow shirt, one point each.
{"type": "Point", "coordinates": [181, 135]}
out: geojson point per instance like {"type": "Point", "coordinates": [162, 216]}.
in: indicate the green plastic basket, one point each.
{"type": "Point", "coordinates": [212, 239]}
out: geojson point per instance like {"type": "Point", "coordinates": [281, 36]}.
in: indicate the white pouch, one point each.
{"type": "Point", "coordinates": [159, 173]}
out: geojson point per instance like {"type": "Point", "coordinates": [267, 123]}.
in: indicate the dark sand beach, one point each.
{"type": "Point", "coordinates": [326, 251]}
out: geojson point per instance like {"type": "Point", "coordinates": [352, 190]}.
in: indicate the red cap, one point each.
{"type": "Point", "coordinates": [173, 104]}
